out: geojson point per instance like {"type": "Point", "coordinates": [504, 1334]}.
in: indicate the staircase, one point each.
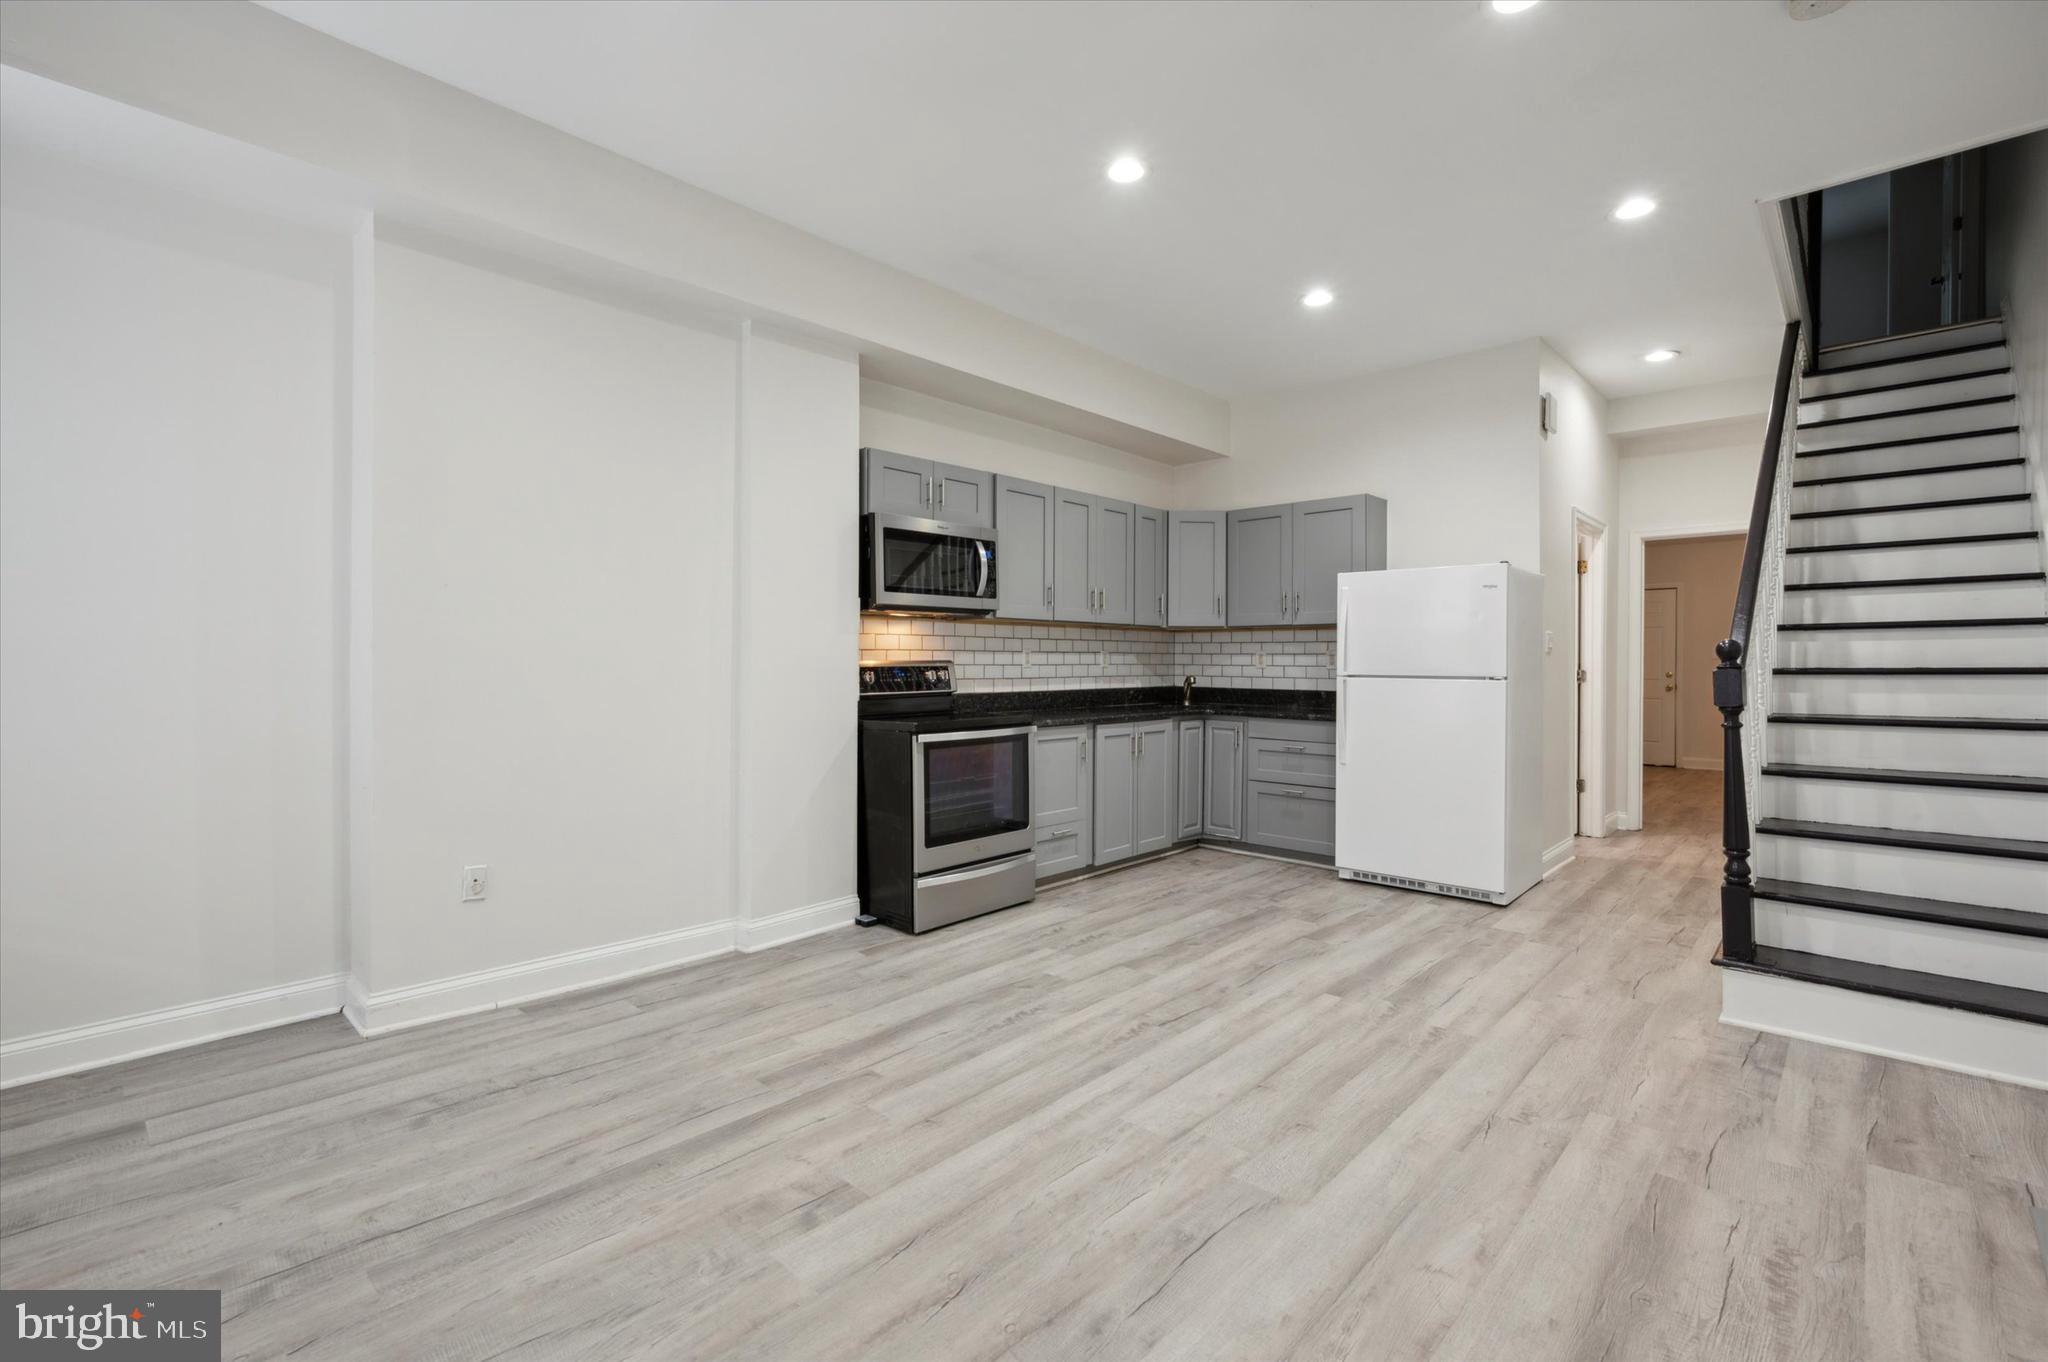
{"type": "Point", "coordinates": [1900, 894]}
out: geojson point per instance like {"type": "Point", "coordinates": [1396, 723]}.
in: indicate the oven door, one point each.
{"type": "Point", "coordinates": [970, 797]}
{"type": "Point", "coordinates": [912, 564]}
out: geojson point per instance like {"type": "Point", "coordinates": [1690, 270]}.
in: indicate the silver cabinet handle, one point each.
{"type": "Point", "coordinates": [1219, 607]}
{"type": "Point", "coordinates": [1292, 794]}
{"type": "Point", "coordinates": [927, 491]}
{"type": "Point", "coordinates": [1294, 749]}
{"type": "Point", "coordinates": [1048, 595]}
{"type": "Point", "coordinates": [941, 484]}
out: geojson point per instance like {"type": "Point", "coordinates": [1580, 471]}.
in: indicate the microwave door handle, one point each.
{"type": "Point", "coordinates": [981, 551]}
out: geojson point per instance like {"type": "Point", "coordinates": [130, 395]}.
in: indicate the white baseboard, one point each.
{"type": "Point", "coordinates": [1616, 822]}
{"type": "Point", "coordinates": [1944, 1037]}
{"type": "Point", "coordinates": [798, 923]}
{"type": "Point", "coordinates": [1699, 763]}
{"type": "Point", "coordinates": [170, 1028]}
{"type": "Point", "coordinates": [379, 1013]}
{"type": "Point", "coordinates": [1558, 857]}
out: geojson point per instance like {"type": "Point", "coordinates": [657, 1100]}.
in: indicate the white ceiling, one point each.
{"type": "Point", "coordinates": [1447, 170]}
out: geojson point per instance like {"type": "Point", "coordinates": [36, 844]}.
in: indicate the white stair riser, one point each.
{"type": "Point", "coordinates": [1923, 808]}
{"type": "Point", "coordinates": [1977, 751]}
{"type": "Point", "coordinates": [1902, 943]}
{"type": "Point", "coordinates": [1958, 697]}
{"type": "Point", "coordinates": [1934, 522]}
{"type": "Point", "coordinates": [1927, 560]}
{"type": "Point", "coordinates": [1815, 407]}
{"type": "Point", "coordinates": [1905, 347]}
{"type": "Point", "coordinates": [1993, 881]}
{"type": "Point", "coordinates": [1973, 482]}
{"type": "Point", "coordinates": [1952, 422]}
{"type": "Point", "coordinates": [2022, 646]}
{"type": "Point", "coordinates": [1968, 449]}
{"type": "Point", "coordinates": [1904, 371]}
{"type": "Point", "coordinates": [1967, 600]}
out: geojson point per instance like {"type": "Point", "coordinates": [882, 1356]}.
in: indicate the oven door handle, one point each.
{"type": "Point", "coordinates": [978, 735]}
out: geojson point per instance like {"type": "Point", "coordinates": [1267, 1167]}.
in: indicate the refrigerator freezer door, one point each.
{"type": "Point", "coordinates": [1422, 790]}
{"type": "Point", "coordinates": [1449, 621]}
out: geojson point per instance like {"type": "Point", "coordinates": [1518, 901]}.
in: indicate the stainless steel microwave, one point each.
{"type": "Point", "coordinates": [927, 566]}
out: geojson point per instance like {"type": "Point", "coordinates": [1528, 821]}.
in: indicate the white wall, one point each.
{"type": "Point", "coordinates": [912, 423]}
{"type": "Point", "coordinates": [2016, 226]}
{"type": "Point", "coordinates": [169, 782]}
{"type": "Point", "coordinates": [552, 544]}
{"type": "Point", "coordinates": [1579, 474]}
{"type": "Point", "coordinates": [1451, 445]}
{"type": "Point", "coordinates": [800, 638]}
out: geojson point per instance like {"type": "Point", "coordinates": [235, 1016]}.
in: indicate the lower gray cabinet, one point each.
{"type": "Point", "coordinates": [1223, 779]}
{"type": "Point", "coordinates": [1155, 804]}
{"type": "Point", "coordinates": [1062, 800]}
{"type": "Point", "coordinates": [1291, 817]}
{"type": "Point", "coordinates": [1116, 761]}
{"type": "Point", "coordinates": [1187, 780]}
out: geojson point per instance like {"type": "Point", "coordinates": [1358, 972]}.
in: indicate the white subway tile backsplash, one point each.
{"type": "Point", "coordinates": [1001, 656]}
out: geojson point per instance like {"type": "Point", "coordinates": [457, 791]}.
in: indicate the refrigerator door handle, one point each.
{"type": "Point", "coordinates": [1340, 721]}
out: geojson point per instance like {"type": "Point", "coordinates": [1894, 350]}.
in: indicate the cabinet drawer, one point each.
{"type": "Point", "coordinates": [1292, 730]}
{"type": "Point", "coordinates": [1291, 817]}
{"type": "Point", "coordinates": [1062, 848]}
{"type": "Point", "coordinates": [1293, 763]}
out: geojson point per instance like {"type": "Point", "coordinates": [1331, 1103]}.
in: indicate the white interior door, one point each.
{"type": "Point", "coordinates": [1660, 676]}
{"type": "Point", "coordinates": [1422, 792]}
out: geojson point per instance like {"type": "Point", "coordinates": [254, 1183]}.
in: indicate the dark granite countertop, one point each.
{"type": "Point", "coordinates": [1136, 704]}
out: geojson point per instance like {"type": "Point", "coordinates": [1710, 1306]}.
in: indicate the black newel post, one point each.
{"type": "Point", "coordinates": [1738, 935]}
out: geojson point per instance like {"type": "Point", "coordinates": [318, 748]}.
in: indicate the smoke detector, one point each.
{"type": "Point", "coordinates": [1813, 9]}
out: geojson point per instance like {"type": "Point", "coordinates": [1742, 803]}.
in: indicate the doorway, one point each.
{"type": "Point", "coordinates": [1589, 647]}
{"type": "Point", "coordinates": [1660, 676]}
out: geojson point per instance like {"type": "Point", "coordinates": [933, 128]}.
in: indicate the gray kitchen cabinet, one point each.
{"type": "Point", "coordinates": [1154, 801]}
{"type": "Point", "coordinates": [1024, 523]}
{"type": "Point", "coordinates": [1092, 541]}
{"type": "Point", "coordinates": [903, 484]}
{"type": "Point", "coordinates": [1116, 762]}
{"type": "Point", "coordinates": [895, 484]}
{"type": "Point", "coordinates": [963, 496]}
{"type": "Point", "coordinates": [1149, 568]}
{"type": "Point", "coordinates": [1293, 763]}
{"type": "Point", "coordinates": [1223, 779]}
{"type": "Point", "coordinates": [1291, 817]}
{"type": "Point", "coordinates": [1340, 534]}
{"type": "Point", "coordinates": [1187, 780]}
{"type": "Point", "coordinates": [1062, 799]}
{"type": "Point", "coordinates": [1261, 568]}
{"type": "Point", "coordinates": [1196, 557]}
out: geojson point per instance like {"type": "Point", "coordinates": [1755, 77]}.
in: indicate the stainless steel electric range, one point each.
{"type": "Point", "coordinates": [945, 803]}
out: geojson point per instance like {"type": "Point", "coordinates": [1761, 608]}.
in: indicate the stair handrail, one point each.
{"type": "Point", "coordinates": [1744, 671]}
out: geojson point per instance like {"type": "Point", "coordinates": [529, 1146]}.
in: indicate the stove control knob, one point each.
{"type": "Point", "coordinates": [867, 678]}
{"type": "Point", "coordinates": [931, 674]}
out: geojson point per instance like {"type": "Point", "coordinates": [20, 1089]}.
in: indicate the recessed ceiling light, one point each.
{"type": "Point", "coordinates": [1661, 355]}
{"type": "Point", "coordinates": [1126, 170]}
{"type": "Point", "coordinates": [1631, 209]}
{"type": "Point", "coordinates": [1512, 6]}
{"type": "Point", "coordinates": [1318, 297]}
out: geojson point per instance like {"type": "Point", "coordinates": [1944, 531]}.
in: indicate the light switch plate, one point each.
{"type": "Point", "coordinates": [476, 882]}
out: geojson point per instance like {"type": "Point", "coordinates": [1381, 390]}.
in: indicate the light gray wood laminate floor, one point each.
{"type": "Point", "coordinates": [1214, 1106]}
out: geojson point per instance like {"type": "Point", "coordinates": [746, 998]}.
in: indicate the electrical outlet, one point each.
{"type": "Point", "coordinates": [1259, 661]}
{"type": "Point", "coordinates": [476, 882]}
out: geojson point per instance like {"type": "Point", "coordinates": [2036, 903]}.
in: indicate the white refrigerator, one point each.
{"type": "Point", "coordinates": [1440, 729]}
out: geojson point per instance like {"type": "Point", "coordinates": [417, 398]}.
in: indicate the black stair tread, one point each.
{"type": "Point", "coordinates": [1999, 622]}
{"type": "Point", "coordinates": [2017, 921]}
{"type": "Point", "coordinates": [1906, 411]}
{"type": "Point", "coordinates": [1940, 990]}
{"type": "Point", "coordinates": [1905, 359]}
{"type": "Point", "coordinates": [1877, 775]}
{"type": "Point", "coordinates": [2002, 537]}
{"type": "Point", "coordinates": [2014, 461]}
{"type": "Point", "coordinates": [1916, 721]}
{"type": "Point", "coordinates": [1909, 440]}
{"type": "Point", "coordinates": [1966, 579]}
{"type": "Point", "coordinates": [1891, 508]}
{"type": "Point", "coordinates": [1907, 383]}
{"type": "Point", "coordinates": [1909, 671]}
{"type": "Point", "coordinates": [1967, 843]}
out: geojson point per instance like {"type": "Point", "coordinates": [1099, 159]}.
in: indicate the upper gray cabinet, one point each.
{"type": "Point", "coordinates": [1024, 538]}
{"type": "Point", "coordinates": [902, 484]}
{"type": "Point", "coordinates": [1284, 560]}
{"type": "Point", "coordinates": [1092, 543]}
{"type": "Point", "coordinates": [1195, 563]}
{"type": "Point", "coordinates": [1149, 567]}
{"type": "Point", "coordinates": [1261, 566]}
